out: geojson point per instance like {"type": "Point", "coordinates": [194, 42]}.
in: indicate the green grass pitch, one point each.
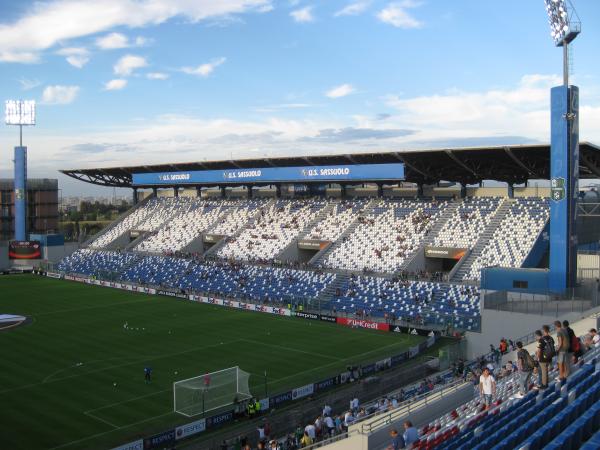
{"type": "Point", "coordinates": [57, 373]}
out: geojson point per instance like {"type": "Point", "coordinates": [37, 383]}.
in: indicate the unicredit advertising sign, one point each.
{"type": "Point", "coordinates": [358, 323]}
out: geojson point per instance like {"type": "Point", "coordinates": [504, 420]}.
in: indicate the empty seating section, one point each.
{"type": "Point", "coordinates": [274, 228]}
{"type": "Point", "coordinates": [128, 223]}
{"type": "Point", "coordinates": [337, 220]}
{"type": "Point", "coordinates": [513, 239]}
{"type": "Point", "coordinates": [230, 223]}
{"type": "Point", "coordinates": [467, 223]}
{"type": "Point", "coordinates": [386, 236]}
{"type": "Point", "coordinates": [184, 227]}
{"type": "Point", "coordinates": [97, 262]}
{"type": "Point", "coordinates": [255, 283]}
{"type": "Point", "coordinates": [561, 417]}
{"type": "Point", "coordinates": [408, 300]}
{"type": "Point", "coordinates": [156, 270]}
{"type": "Point", "coordinates": [164, 209]}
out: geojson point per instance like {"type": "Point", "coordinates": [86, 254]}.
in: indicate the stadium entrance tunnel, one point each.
{"type": "Point", "coordinates": [12, 321]}
{"type": "Point", "coordinates": [440, 259]}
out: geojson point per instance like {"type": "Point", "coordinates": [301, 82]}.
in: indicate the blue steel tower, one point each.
{"type": "Point", "coordinates": [20, 113]}
{"type": "Point", "coordinates": [564, 166]}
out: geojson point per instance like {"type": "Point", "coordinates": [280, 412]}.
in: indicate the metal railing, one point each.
{"type": "Point", "coordinates": [408, 407]}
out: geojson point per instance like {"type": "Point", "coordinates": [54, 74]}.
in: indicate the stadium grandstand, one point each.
{"type": "Point", "coordinates": [400, 240]}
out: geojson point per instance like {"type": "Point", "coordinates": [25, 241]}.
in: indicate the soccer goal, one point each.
{"type": "Point", "coordinates": [210, 391]}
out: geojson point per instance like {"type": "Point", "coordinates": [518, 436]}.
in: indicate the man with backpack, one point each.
{"type": "Point", "coordinates": [544, 353]}
{"type": "Point", "coordinates": [526, 365]}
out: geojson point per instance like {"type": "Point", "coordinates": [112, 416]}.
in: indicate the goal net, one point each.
{"type": "Point", "coordinates": [210, 391]}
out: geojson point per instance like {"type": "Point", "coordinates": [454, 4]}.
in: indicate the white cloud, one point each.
{"type": "Point", "coordinates": [340, 91]}
{"type": "Point", "coordinates": [157, 76]}
{"type": "Point", "coordinates": [76, 56]}
{"type": "Point", "coordinates": [206, 69]}
{"type": "Point", "coordinates": [59, 95]}
{"type": "Point", "coordinates": [303, 15]}
{"type": "Point", "coordinates": [27, 84]}
{"type": "Point", "coordinates": [396, 14]}
{"type": "Point", "coordinates": [45, 24]}
{"type": "Point", "coordinates": [115, 85]}
{"type": "Point", "coordinates": [112, 41]}
{"type": "Point", "coordinates": [353, 9]}
{"type": "Point", "coordinates": [128, 63]}
{"type": "Point", "coordinates": [118, 40]}
{"type": "Point", "coordinates": [521, 110]}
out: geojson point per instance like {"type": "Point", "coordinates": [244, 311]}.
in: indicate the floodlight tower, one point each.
{"type": "Point", "coordinates": [20, 113]}
{"type": "Point", "coordinates": [564, 167]}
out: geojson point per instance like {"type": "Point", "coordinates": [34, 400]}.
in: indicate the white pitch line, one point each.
{"type": "Point", "coordinates": [89, 414]}
{"type": "Point", "coordinates": [110, 431]}
{"type": "Point", "coordinates": [117, 366]}
{"type": "Point", "coordinates": [111, 305]}
{"type": "Point", "coordinates": [129, 400]}
{"type": "Point", "coordinates": [283, 347]}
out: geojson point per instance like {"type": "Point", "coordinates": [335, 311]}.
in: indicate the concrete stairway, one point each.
{"type": "Point", "coordinates": [464, 266]}
{"type": "Point", "coordinates": [319, 257]}
{"type": "Point", "coordinates": [114, 223]}
{"type": "Point", "coordinates": [441, 221]}
{"type": "Point", "coordinates": [325, 298]}
{"type": "Point", "coordinates": [433, 232]}
{"type": "Point", "coordinates": [249, 225]}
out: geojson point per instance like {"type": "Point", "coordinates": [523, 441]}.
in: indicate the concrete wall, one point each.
{"type": "Point", "coordinates": [503, 279]}
{"type": "Point", "coordinates": [533, 191]}
{"type": "Point", "coordinates": [499, 191]}
{"type": "Point", "coordinates": [505, 324]}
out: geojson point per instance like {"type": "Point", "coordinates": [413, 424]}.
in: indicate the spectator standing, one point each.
{"type": "Point", "coordinates": [330, 426]}
{"type": "Point", "coordinates": [487, 387]}
{"type": "Point", "coordinates": [562, 350]}
{"type": "Point", "coordinates": [411, 434]}
{"type": "Point", "coordinates": [397, 440]}
{"type": "Point", "coordinates": [574, 343]}
{"type": "Point", "coordinates": [525, 364]}
{"type": "Point", "coordinates": [306, 440]}
{"type": "Point", "coordinates": [595, 337]}
{"type": "Point", "coordinates": [311, 430]}
{"type": "Point", "coordinates": [545, 353]}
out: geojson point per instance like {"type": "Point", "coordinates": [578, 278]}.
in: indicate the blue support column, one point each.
{"type": "Point", "coordinates": [21, 193]}
{"type": "Point", "coordinates": [564, 187]}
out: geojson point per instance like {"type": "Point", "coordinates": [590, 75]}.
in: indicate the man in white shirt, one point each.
{"type": "Point", "coordinates": [487, 387]}
{"type": "Point", "coordinates": [595, 337]}
{"type": "Point", "coordinates": [326, 411]}
{"type": "Point", "coordinates": [311, 431]}
{"type": "Point", "coordinates": [348, 419]}
{"type": "Point", "coordinates": [330, 425]}
{"type": "Point", "coordinates": [354, 404]}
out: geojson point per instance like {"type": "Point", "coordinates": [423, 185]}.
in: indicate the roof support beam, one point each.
{"type": "Point", "coordinates": [520, 163]}
{"type": "Point", "coordinates": [410, 166]}
{"type": "Point", "coordinates": [454, 158]}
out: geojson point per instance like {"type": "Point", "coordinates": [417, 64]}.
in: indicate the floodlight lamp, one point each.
{"type": "Point", "coordinates": [19, 112]}
{"type": "Point", "coordinates": [564, 22]}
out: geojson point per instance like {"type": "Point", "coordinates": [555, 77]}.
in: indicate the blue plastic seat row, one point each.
{"type": "Point", "coordinates": [562, 420]}
{"type": "Point", "coordinates": [579, 431]}
{"type": "Point", "coordinates": [593, 443]}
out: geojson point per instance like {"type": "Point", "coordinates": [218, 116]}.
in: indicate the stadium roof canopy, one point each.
{"type": "Point", "coordinates": [511, 164]}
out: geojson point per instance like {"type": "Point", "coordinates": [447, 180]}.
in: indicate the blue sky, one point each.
{"type": "Point", "coordinates": [122, 82]}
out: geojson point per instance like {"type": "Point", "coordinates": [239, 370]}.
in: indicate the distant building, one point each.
{"type": "Point", "coordinates": [42, 207]}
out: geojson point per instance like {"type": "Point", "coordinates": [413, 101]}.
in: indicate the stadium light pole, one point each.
{"type": "Point", "coordinates": [565, 26]}
{"type": "Point", "coordinates": [20, 113]}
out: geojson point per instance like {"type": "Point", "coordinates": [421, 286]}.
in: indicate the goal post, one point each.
{"type": "Point", "coordinates": [214, 390]}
